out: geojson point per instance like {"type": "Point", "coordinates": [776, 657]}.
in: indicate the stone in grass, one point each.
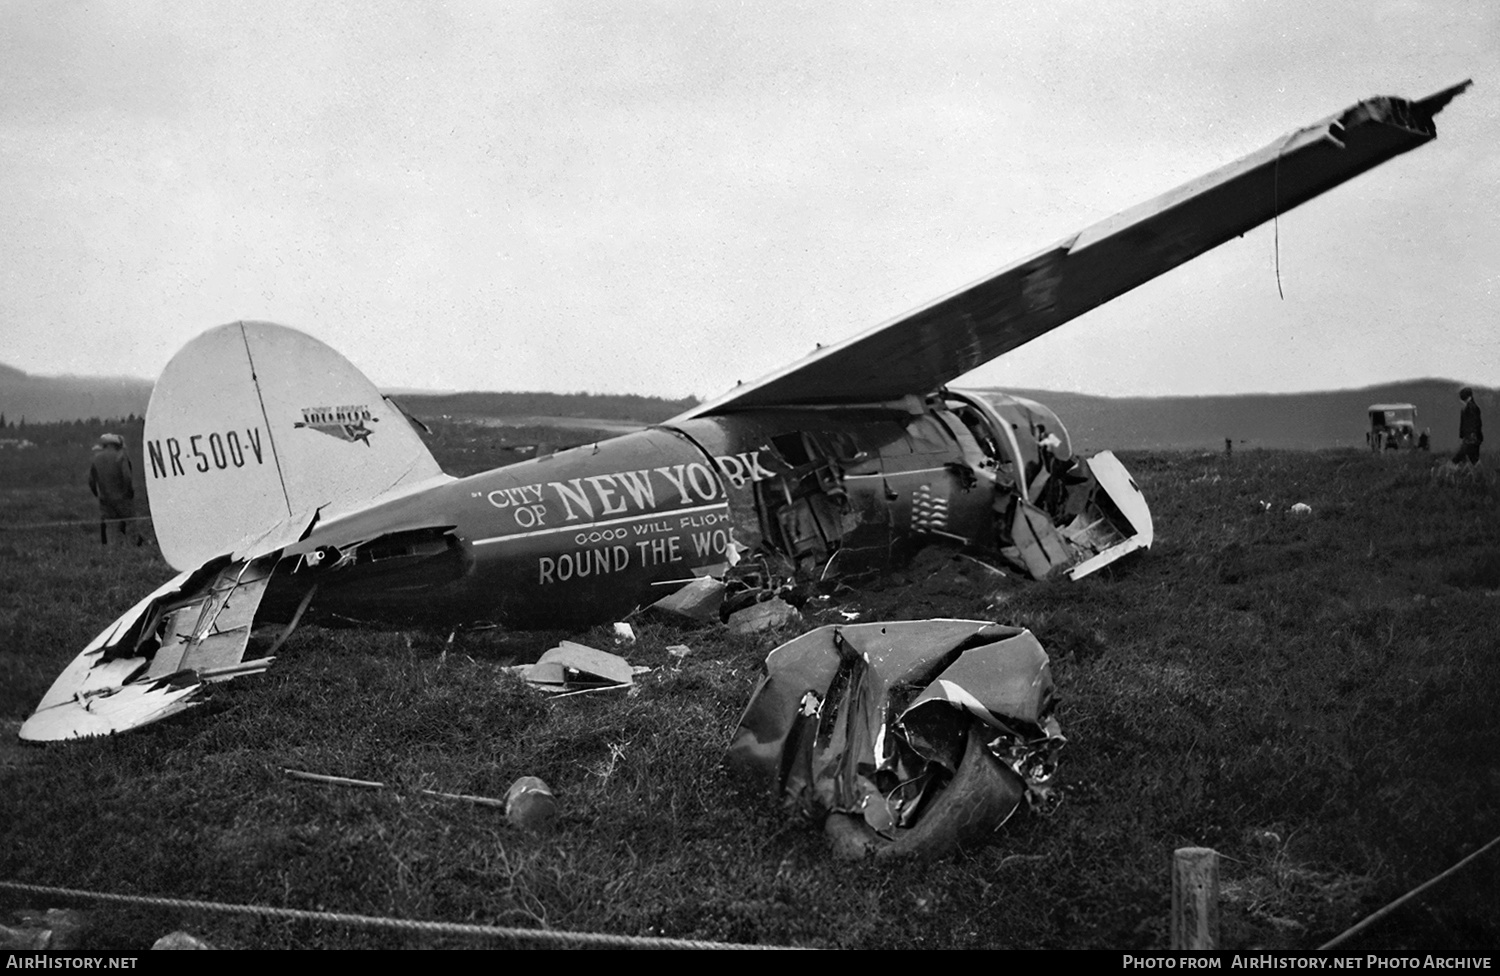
{"type": "Point", "coordinates": [768, 615]}
{"type": "Point", "coordinates": [55, 928]}
{"type": "Point", "coordinates": [180, 940]}
{"type": "Point", "coordinates": [25, 938]}
{"type": "Point", "coordinates": [66, 924]}
{"type": "Point", "coordinates": [530, 805]}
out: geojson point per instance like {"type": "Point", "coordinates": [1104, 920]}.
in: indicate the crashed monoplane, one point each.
{"type": "Point", "coordinates": [283, 484]}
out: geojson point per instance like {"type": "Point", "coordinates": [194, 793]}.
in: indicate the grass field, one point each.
{"type": "Point", "coordinates": [1317, 697]}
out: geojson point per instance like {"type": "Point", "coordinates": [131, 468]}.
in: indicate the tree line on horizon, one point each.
{"type": "Point", "coordinates": [606, 406]}
{"type": "Point", "coordinates": [80, 431]}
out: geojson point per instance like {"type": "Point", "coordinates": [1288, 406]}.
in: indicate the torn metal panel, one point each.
{"type": "Point", "coordinates": [210, 634]}
{"type": "Point", "coordinates": [1116, 520]}
{"type": "Point", "coordinates": [156, 659]}
{"type": "Point", "coordinates": [880, 723]}
{"type": "Point", "coordinates": [1132, 516]}
{"type": "Point", "coordinates": [116, 710]}
{"type": "Point", "coordinates": [1058, 512]}
{"type": "Point", "coordinates": [132, 617]}
{"type": "Point", "coordinates": [1009, 677]}
{"type": "Point", "coordinates": [1111, 521]}
{"type": "Point", "coordinates": [979, 798]}
{"type": "Point", "coordinates": [574, 667]}
{"type": "Point", "coordinates": [1040, 547]}
{"type": "Point", "coordinates": [697, 601]}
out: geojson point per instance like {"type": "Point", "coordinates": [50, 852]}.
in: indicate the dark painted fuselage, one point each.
{"type": "Point", "coordinates": [587, 534]}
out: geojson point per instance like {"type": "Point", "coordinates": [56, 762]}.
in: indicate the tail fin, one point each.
{"type": "Point", "coordinates": [254, 424]}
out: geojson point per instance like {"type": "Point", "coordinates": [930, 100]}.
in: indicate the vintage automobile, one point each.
{"type": "Point", "coordinates": [1392, 426]}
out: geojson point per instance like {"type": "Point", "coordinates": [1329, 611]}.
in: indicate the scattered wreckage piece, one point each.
{"type": "Point", "coordinates": [158, 659]}
{"type": "Point", "coordinates": [530, 805]}
{"type": "Point", "coordinates": [370, 784]}
{"type": "Point", "coordinates": [904, 738]}
{"type": "Point", "coordinates": [571, 668]}
{"type": "Point", "coordinates": [697, 601]}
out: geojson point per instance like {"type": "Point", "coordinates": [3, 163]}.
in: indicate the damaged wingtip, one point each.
{"type": "Point", "coordinates": [1433, 104]}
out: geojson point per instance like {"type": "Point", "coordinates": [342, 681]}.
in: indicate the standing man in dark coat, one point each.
{"type": "Point", "coordinates": [112, 481]}
{"type": "Point", "coordinates": [1470, 429]}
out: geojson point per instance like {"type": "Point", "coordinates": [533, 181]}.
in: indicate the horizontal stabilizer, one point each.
{"type": "Point", "coordinates": [156, 660]}
{"type": "Point", "coordinates": [122, 709]}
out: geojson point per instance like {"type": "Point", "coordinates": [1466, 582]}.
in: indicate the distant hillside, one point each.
{"type": "Point", "coordinates": [44, 399]}
{"type": "Point", "coordinates": [1288, 420]}
{"type": "Point", "coordinates": [1291, 420]}
{"type": "Point", "coordinates": [645, 410]}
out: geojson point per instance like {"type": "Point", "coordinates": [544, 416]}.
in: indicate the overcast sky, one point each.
{"type": "Point", "coordinates": [669, 197]}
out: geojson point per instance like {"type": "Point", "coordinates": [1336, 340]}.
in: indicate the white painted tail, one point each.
{"type": "Point", "coordinates": [254, 426]}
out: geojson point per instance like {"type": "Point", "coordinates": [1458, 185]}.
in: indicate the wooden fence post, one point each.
{"type": "Point", "coordinates": [1195, 898]}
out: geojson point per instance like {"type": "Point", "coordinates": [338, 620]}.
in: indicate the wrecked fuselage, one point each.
{"type": "Point", "coordinates": [839, 491]}
{"type": "Point", "coordinates": [588, 534]}
{"type": "Point", "coordinates": [903, 738]}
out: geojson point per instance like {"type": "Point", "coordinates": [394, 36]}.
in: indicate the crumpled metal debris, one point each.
{"type": "Point", "coordinates": [905, 737]}
{"type": "Point", "coordinates": [571, 667]}
{"type": "Point", "coordinates": [695, 602]}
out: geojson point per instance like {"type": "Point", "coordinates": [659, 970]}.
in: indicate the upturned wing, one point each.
{"type": "Point", "coordinates": [921, 351]}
